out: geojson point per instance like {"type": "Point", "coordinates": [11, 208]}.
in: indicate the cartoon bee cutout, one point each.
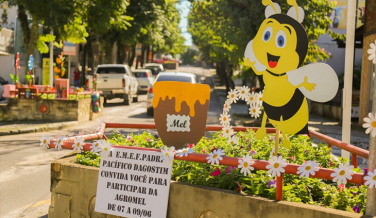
{"type": "Point", "coordinates": [278, 49]}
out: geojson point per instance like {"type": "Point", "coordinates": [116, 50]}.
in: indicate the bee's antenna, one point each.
{"type": "Point", "coordinates": [269, 2]}
{"type": "Point", "coordinates": [293, 3]}
{"type": "Point", "coordinates": [271, 8]}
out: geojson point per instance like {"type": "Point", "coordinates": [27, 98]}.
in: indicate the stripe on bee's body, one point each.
{"type": "Point", "coordinates": [286, 111]}
{"type": "Point", "coordinates": [304, 130]}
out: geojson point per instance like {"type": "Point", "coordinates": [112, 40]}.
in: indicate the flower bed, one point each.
{"type": "Point", "coordinates": [295, 189]}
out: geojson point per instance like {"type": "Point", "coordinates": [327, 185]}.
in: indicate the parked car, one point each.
{"type": "Point", "coordinates": [2, 82]}
{"type": "Point", "coordinates": [115, 81]}
{"type": "Point", "coordinates": [168, 76]}
{"type": "Point", "coordinates": [168, 62]}
{"type": "Point", "coordinates": [1, 92]}
{"type": "Point", "coordinates": [155, 68]}
{"type": "Point", "coordinates": [144, 78]}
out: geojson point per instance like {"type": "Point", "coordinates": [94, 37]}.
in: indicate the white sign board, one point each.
{"type": "Point", "coordinates": [133, 183]}
{"type": "Point", "coordinates": [69, 48]}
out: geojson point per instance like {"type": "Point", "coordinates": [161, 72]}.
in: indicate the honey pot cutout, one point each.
{"type": "Point", "coordinates": [180, 111]}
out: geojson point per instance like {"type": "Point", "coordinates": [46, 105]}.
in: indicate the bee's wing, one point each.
{"type": "Point", "coordinates": [320, 74]}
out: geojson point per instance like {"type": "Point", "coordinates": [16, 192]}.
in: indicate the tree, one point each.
{"type": "Point", "coordinates": [3, 6]}
{"type": "Point", "coordinates": [71, 20]}
{"type": "Point", "coordinates": [50, 13]}
{"type": "Point", "coordinates": [221, 29]}
{"type": "Point", "coordinates": [154, 24]}
{"type": "Point", "coordinates": [189, 56]}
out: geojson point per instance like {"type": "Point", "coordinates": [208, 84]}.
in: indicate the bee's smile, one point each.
{"type": "Point", "coordinates": [272, 60]}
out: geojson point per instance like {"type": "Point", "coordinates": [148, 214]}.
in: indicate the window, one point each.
{"type": "Point", "coordinates": [175, 78]}
{"type": "Point", "coordinates": [140, 74]}
{"type": "Point", "coordinates": [111, 70]}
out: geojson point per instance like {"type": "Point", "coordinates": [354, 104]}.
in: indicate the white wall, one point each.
{"type": "Point", "coordinates": [6, 67]}
{"type": "Point", "coordinates": [6, 62]}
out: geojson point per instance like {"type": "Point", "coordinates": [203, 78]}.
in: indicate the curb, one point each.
{"type": "Point", "coordinates": [37, 128]}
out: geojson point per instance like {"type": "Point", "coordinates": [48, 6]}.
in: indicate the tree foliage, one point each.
{"type": "Point", "coordinates": [125, 22]}
{"type": "Point", "coordinates": [155, 24]}
{"type": "Point", "coordinates": [222, 28]}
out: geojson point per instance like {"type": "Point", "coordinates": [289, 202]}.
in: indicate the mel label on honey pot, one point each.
{"type": "Point", "coordinates": [178, 123]}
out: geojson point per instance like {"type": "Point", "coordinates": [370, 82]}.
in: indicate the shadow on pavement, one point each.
{"type": "Point", "coordinates": [141, 116]}
{"type": "Point", "coordinates": [113, 104]}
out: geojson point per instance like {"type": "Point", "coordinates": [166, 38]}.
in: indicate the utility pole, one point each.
{"type": "Point", "coordinates": [371, 192]}
{"type": "Point", "coordinates": [349, 64]}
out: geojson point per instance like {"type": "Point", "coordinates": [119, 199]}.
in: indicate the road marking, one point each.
{"type": "Point", "coordinates": [28, 205]}
{"type": "Point", "coordinates": [42, 202]}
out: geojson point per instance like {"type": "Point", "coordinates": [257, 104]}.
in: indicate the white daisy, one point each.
{"type": "Point", "coordinates": [260, 98]}
{"type": "Point", "coordinates": [78, 144]}
{"type": "Point", "coordinates": [184, 152]}
{"type": "Point", "coordinates": [272, 153]}
{"type": "Point", "coordinates": [370, 124]}
{"type": "Point", "coordinates": [342, 174]}
{"type": "Point", "coordinates": [57, 136]}
{"type": "Point", "coordinates": [168, 154]}
{"type": "Point", "coordinates": [254, 110]}
{"type": "Point", "coordinates": [100, 121]}
{"type": "Point", "coordinates": [105, 148]}
{"type": "Point", "coordinates": [372, 52]}
{"type": "Point", "coordinates": [232, 96]}
{"type": "Point", "coordinates": [371, 179]}
{"type": "Point", "coordinates": [96, 146]}
{"type": "Point", "coordinates": [250, 98]}
{"type": "Point", "coordinates": [225, 119]}
{"type": "Point", "coordinates": [227, 131]}
{"type": "Point", "coordinates": [276, 165]}
{"type": "Point", "coordinates": [215, 156]}
{"type": "Point", "coordinates": [246, 165]}
{"type": "Point", "coordinates": [308, 168]}
{"type": "Point", "coordinates": [243, 92]}
{"type": "Point", "coordinates": [45, 141]}
{"type": "Point", "coordinates": [59, 142]}
{"type": "Point", "coordinates": [227, 106]}
{"type": "Point", "coordinates": [233, 140]}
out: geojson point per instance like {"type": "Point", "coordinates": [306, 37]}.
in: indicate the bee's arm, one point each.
{"type": "Point", "coordinates": [306, 85]}
{"type": "Point", "coordinates": [251, 64]}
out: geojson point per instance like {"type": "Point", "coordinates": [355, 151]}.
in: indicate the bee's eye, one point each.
{"type": "Point", "coordinates": [267, 34]}
{"type": "Point", "coordinates": [280, 39]}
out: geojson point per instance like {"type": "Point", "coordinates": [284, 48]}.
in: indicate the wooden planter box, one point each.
{"type": "Point", "coordinates": [73, 191]}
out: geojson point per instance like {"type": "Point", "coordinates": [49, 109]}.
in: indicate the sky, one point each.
{"type": "Point", "coordinates": [184, 7]}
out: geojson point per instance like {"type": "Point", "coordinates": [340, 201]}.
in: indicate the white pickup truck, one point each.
{"type": "Point", "coordinates": [115, 81]}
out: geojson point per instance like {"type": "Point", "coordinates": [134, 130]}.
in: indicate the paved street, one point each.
{"type": "Point", "coordinates": [25, 167]}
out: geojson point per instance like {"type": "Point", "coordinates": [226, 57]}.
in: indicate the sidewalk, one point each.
{"type": "Point", "coordinates": [332, 128]}
{"type": "Point", "coordinates": [20, 127]}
